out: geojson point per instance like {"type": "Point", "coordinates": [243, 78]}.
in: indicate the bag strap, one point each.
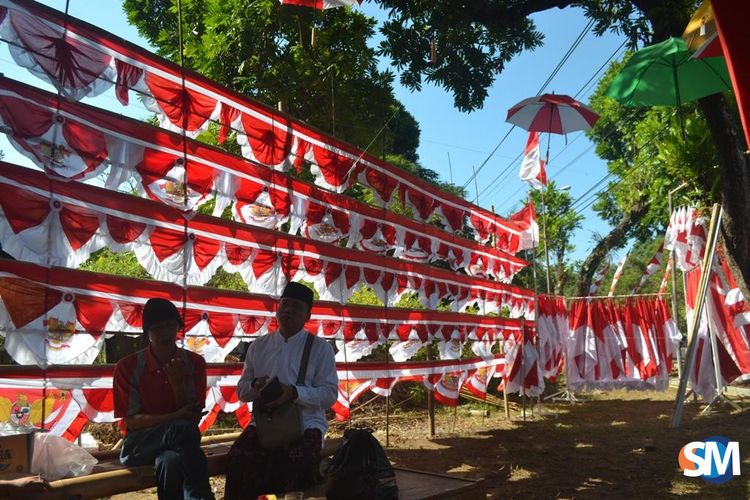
{"type": "Point", "coordinates": [305, 359]}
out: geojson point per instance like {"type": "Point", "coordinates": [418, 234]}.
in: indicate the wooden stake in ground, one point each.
{"type": "Point", "coordinates": [700, 299]}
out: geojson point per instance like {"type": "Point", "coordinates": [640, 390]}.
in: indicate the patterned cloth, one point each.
{"type": "Point", "coordinates": [255, 471]}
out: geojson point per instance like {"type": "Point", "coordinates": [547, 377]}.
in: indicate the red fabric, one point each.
{"type": "Point", "coordinates": [381, 183]}
{"type": "Point", "coordinates": [335, 168]}
{"type": "Point", "coordinates": [271, 144]}
{"type": "Point", "coordinates": [188, 109]}
{"type": "Point", "coordinates": [24, 120]}
{"type": "Point", "coordinates": [68, 61]}
{"type": "Point", "coordinates": [25, 300]}
{"type": "Point", "coordinates": [732, 20]}
{"type": "Point", "coordinates": [155, 396]}
{"type": "Point", "coordinates": [169, 96]}
{"type": "Point", "coordinates": [228, 115]}
{"type": "Point", "coordinates": [127, 76]}
{"type": "Point", "coordinates": [155, 164]}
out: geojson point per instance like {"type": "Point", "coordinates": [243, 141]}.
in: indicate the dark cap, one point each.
{"type": "Point", "coordinates": [157, 310]}
{"type": "Point", "coordinates": [294, 290]}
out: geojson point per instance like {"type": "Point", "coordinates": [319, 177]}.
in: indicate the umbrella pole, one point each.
{"type": "Point", "coordinates": [544, 216]}
{"type": "Point", "coordinates": [680, 118]}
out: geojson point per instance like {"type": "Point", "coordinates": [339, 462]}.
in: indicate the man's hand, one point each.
{"type": "Point", "coordinates": [287, 393]}
{"type": "Point", "coordinates": [260, 382]}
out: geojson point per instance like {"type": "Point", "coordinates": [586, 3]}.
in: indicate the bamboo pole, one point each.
{"type": "Point", "coordinates": [708, 258]}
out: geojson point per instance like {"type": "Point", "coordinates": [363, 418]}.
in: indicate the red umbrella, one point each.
{"type": "Point", "coordinates": [552, 113]}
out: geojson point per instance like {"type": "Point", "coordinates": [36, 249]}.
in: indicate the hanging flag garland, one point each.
{"type": "Point", "coordinates": [261, 197]}
{"type": "Point", "coordinates": [266, 135]}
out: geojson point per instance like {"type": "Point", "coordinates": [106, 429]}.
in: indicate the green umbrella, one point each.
{"type": "Point", "coordinates": [665, 74]}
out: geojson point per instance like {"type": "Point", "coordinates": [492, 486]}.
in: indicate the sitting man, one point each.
{"type": "Point", "coordinates": [159, 393]}
{"type": "Point", "coordinates": [254, 470]}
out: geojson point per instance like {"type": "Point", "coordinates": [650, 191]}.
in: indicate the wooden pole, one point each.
{"type": "Point", "coordinates": [430, 398]}
{"type": "Point", "coordinates": [694, 322]}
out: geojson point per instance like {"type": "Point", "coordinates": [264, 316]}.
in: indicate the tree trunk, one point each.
{"type": "Point", "coordinates": [734, 182]}
{"type": "Point", "coordinates": [615, 239]}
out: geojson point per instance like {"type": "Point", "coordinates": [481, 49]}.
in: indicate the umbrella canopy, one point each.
{"type": "Point", "coordinates": [665, 74]}
{"type": "Point", "coordinates": [553, 113]}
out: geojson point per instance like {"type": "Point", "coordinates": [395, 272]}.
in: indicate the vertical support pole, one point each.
{"type": "Point", "coordinates": [430, 397]}
{"type": "Point", "coordinates": [708, 258]}
{"type": "Point", "coordinates": [546, 243]}
{"type": "Point", "coordinates": [675, 312]}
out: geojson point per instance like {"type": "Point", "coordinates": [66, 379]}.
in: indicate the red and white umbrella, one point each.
{"type": "Point", "coordinates": [322, 4]}
{"type": "Point", "coordinates": [552, 113]}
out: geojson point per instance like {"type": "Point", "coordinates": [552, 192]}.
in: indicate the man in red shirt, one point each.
{"type": "Point", "coordinates": [159, 394]}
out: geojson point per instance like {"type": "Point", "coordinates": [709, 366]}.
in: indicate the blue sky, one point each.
{"type": "Point", "coordinates": [467, 137]}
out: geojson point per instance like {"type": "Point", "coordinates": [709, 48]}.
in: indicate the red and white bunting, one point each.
{"type": "Point", "coordinates": [653, 265]}
{"type": "Point", "coordinates": [612, 345]}
{"type": "Point", "coordinates": [60, 317]}
{"type": "Point", "coordinates": [64, 400]}
{"type": "Point", "coordinates": [95, 61]}
{"type": "Point", "coordinates": [261, 197]}
{"type": "Point", "coordinates": [532, 165]}
{"type": "Point", "coordinates": [58, 223]}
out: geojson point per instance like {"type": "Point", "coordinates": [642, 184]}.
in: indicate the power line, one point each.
{"type": "Point", "coordinates": [557, 69]}
{"type": "Point", "coordinates": [567, 55]}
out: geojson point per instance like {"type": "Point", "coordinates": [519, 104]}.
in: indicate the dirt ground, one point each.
{"type": "Point", "coordinates": [616, 444]}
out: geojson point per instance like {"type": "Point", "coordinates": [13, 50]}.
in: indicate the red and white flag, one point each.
{"type": "Point", "coordinates": [532, 166]}
{"type": "Point", "coordinates": [665, 279]}
{"type": "Point", "coordinates": [618, 274]}
{"type": "Point", "coordinates": [653, 266]}
{"type": "Point", "coordinates": [526, 220]}
{"type": "Point", "coordinates": [322, 4]}
{"type": "Point", "coordinates": [598, 278]}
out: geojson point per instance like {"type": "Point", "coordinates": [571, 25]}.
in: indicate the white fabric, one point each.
{"type": "Point", "coordinates": [272, 355]}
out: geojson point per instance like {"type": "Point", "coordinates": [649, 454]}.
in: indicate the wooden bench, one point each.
{"type": "Point", "coordinates": [109, 477]}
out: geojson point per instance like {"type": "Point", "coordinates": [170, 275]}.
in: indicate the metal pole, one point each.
{"type": "Point", "coordinates": [674, 283]}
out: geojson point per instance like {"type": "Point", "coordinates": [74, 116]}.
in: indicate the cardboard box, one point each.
{"type": "Point", "coordinates": [15, 453]}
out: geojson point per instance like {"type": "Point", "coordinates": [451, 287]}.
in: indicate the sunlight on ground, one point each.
{"type": "Point", "coordinates": [560, 425]}
{"type": "Point", "coordinates": [462, 468]}
{"type": "Point", "coordinates": [520, 474]}
{"type": "Point", "coordinates": [584, 445]}
{"type": "Point", "coordinates": [617, 423]}
{"type": "Point", "coordinates": [593, 483]}
{"type": "Point", "coordinates": [684, 487]}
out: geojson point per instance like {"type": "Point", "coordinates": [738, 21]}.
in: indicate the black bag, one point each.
{"type": "Point", "coordinates": [360, 470]}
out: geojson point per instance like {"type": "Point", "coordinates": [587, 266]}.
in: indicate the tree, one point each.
{"type": "Point", "coordinates": [474, 40]}
{"type": "Point", "coordinates": [317, 64]}
{"type": "Point", "coordinates": [647, 156]}
{"type": "Point", "coordinates": [559, 221]}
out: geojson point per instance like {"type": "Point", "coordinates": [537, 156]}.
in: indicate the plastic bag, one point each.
{"type": "Point", "coordinates": [55, 458]}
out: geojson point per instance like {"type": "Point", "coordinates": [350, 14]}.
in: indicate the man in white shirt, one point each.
{"type": "Point", "coordinates": [254, 470]}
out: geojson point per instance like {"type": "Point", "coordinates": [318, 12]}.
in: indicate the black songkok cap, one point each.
{"type": "Point", "coordinates": [294, 290]}
{"type": "Point", "coordinates": [157, 310]}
